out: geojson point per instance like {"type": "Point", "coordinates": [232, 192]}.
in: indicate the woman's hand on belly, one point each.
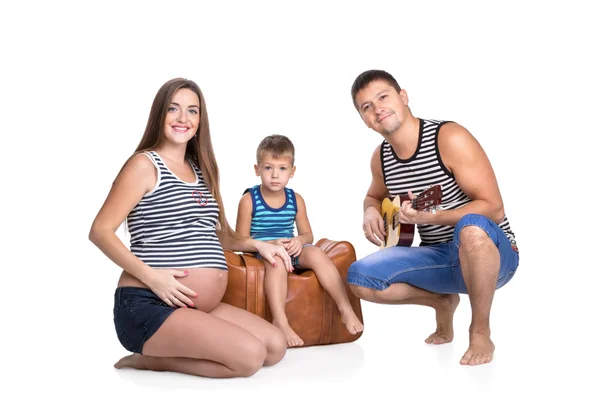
{"type": "Point", "coordinates": [204, 287]}
{"type": "Point", "coordinates": [164, 283]}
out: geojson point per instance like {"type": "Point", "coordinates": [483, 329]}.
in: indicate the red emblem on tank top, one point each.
{"type": "Point", "coordinates": [200, 197]}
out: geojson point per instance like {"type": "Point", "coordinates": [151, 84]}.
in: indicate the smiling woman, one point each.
{"type": "Point", "coordinates": [183, 116]}
{"type": "Point", "coordinates": [174, 273]}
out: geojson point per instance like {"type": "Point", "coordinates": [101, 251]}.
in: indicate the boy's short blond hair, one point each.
{"type": "Point", "coordinates": [276, 145]}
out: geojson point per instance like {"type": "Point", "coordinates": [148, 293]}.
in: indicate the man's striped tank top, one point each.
{"type": "Point", "coordinates": [423, 170]}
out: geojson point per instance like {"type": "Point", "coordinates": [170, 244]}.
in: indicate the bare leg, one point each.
{"type": "Point", "coordinates": [480, 264]}
{"type": "Point", "coordinates": [276, 292]}
{"type": "Point", "coordinates": [403, 293]}
{"type": "Point", "coordinates": [271, 336]}
{"type": "Point", "coordinates": [198, 343]}
{"type": "Point", "coordinates": [315, 259]}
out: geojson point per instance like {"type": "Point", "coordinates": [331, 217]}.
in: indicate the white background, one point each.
{"type": "Point", "coordinates": [77, 83]}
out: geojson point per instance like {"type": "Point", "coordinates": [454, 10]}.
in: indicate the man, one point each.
{"type": "Point", "coordinates": [467, 246]}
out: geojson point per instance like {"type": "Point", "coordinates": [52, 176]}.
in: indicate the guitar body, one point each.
{"type": "Point", "coordinates": [398, 234]}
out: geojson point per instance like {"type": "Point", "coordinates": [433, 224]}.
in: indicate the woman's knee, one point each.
{"type": "Point", "coordinates": [276, 347]}
{"type": "Point", "coordinates": [250, 359]}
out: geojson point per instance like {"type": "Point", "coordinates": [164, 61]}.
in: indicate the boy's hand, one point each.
{"type": "Point", "coordinates": [294, 247]}
{"type": "Point", "coordinates": [280, 242]}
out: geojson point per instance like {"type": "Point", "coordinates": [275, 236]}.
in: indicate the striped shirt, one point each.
{"type": "Point", "coordinates": [423, 170]}
{"type": "Point", "coordinates": [272, 223]}
{"type": "Point", "coordinates": [173, 225]}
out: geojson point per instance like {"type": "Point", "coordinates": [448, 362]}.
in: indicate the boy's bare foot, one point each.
{"type": "Point", "coordinates": [291, 338]}
{"type": "Point", "coordinates": [444, 315]}
{"type": "Point", "coordinates": [134, 360]}
{"type": "Point", "coordinates": [352, 322]}
{"type": "Point", "coordinates": [480, 351]}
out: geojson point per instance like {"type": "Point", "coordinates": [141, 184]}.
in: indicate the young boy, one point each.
{"type": "Point", "coordinates": [267, 212]}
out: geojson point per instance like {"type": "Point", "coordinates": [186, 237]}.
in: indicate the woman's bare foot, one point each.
{"type": "Point", "coordinates": [480, 351]}
{"type": "Point", "coordinates": [132, 361]}
{"type": "Point", "coordinates": [291, 338]}
{"type": "Point", "coordinates": [352, 322]}
{"type": "Point", "coordinates": [444, 315]}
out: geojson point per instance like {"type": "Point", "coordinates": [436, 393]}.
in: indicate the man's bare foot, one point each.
{"type": "Point", "coordinates": [480, 351]}
{"type": "Point", "coordinates": [352, 322]}
{"type": "Point", "coordinates": [132, 361]}
{"type": "Point", "coordinates": [444, 315]}
{"type": "Point", "coordinates": [291, 338]}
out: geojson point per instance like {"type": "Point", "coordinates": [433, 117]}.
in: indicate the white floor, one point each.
{"type": "Point", "coordinates": [536, 356]}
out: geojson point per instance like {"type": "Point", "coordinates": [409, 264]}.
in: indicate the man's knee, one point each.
{"type": "Point", "coordinates": [362, 282]}
{"type": "Point", "coordinates": [471, 230]}
{"type": "Point", "coordinates": [364, 293]}
{"type": "Point", "coordinates": [473, 235]}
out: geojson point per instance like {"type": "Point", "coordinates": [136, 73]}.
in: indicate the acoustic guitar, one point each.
{"type": "Point", "coordinates": [398, 234]}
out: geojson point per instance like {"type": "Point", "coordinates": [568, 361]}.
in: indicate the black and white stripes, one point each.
{"type": "Point", "coordinates": [423, 170]}
{"type": "Point", "coordinates": [173, 226]}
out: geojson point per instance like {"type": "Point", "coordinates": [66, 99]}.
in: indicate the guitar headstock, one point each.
{"type": "Point", "coordinates": [429, 199]}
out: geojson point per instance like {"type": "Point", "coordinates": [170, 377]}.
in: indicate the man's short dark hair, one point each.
{"type": "Point", "coordinates": [369, 76]}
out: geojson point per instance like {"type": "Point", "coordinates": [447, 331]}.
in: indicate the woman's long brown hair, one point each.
{"type": "Point", "coordinates": [199, 149]}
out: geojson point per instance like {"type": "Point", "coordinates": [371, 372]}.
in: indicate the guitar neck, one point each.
{"type": "Point", "coordinates": [421, 205]}
{"type": "Point", "coordinates": [428, 200]}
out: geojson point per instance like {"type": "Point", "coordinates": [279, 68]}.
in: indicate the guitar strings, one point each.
{"type": "Point", "coordinates": [438, 207]}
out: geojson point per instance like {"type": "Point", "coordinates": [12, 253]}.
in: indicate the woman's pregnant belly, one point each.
{"type": "Point", "coordinates": [208, 283]}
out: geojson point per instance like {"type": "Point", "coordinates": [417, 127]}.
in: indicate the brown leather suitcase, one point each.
{"type": "Point", "coordinates": [311, 312]}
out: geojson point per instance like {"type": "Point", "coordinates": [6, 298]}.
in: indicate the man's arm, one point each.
{"type": "Point", "coordinates": [372, 221]}
{"type": "Point", "coordinates": [464, 157]}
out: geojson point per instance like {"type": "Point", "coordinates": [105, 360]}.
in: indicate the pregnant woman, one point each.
{"type": "Point", "coordinates": [168, 310]}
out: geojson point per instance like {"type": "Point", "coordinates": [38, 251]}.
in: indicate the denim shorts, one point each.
{"type": "Point", "coordinates": [138, 313]}
{"type": "Point", "coordinates": [435, 268]}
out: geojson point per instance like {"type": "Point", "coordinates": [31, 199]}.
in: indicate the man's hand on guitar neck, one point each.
{"type": "Point", "coordinates": [373, 225]}
{"type": "Point", "coordinates": [408, 215]}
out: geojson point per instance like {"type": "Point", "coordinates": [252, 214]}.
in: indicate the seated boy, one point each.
{"type": "Point", "coordinates": [268, 212]}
